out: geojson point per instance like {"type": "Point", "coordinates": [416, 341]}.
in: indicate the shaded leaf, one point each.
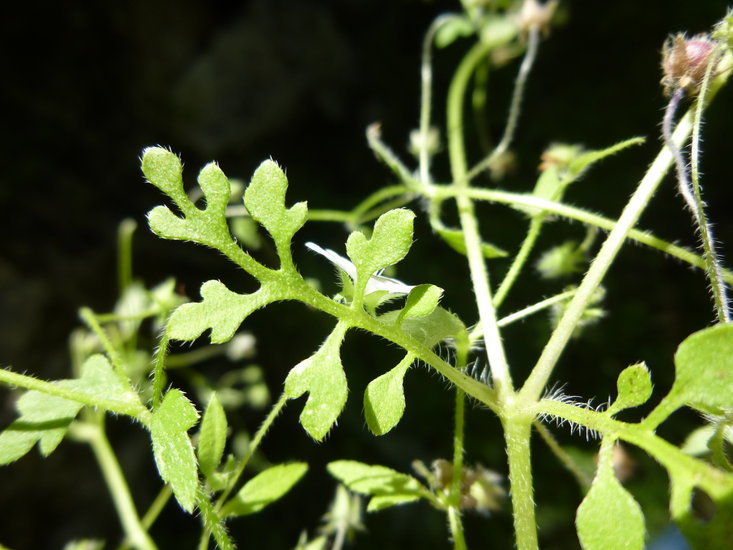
{"type": "Point", "coordinates": [172, 447]}
{"type": "Point", "coordinates": [384, 399]}
{"type": "Point", "coordinates": [455, 26]}
{"type": "Point", "coordinates": [390, 242]}
{"type": "Point", "coordinates": [609, 518]}
{"type": "Point", "coordinates": [265, 201]}
{"type": "Point", "coordinates": [390, 486]}
{"type": "Point", "coordinates": [421, 301]}
{"type": "Point", "coordinates": [704, 370]}
{"type": "Point", "coordinates": [265, 488]}
{"type": "Point", "coordinates": [221, 310]}
{"type": "Point", "coordinates": [431, 329]}
{"type": "Point", "coordinates": [212, 437]}
{"type": "Point", "coordinates": [322, 376]}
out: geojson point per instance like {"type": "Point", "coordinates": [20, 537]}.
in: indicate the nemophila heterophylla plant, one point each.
{"type": "Point", "coordinates": [190, 434]}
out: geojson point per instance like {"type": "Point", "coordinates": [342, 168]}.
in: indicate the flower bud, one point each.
{"type": "Point", "coordinates": [684, 62]}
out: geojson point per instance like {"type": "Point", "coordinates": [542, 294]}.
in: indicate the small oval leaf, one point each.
{"type": "Point", "coordinates": [265, 488]}
{"type": "Point", "coordinates": [634, 386]}
{"type": "Point", "coordinates": [213, 436]}
{"type": "Point", "coordinates": [421, 301]}
{"type": "Point", "coordinates": [384, 398]}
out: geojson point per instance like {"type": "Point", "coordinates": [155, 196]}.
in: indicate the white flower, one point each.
{"type": "Point", "coordinates": [376, 282]}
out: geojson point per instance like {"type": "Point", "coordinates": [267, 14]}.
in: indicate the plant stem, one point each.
{"type": "Point", "coordinates": [533, 40]}
{"type": "Point", "coordinates": [542, 371]}
{"type": "Point", "coordinates": [712, 260]}
{"type": "Point", "coordinates": [566, 460]}
{"type": "Point", "coordinates": [254, 444]}
{"type": "Point", "coordinates": [135, 531]}
{"type": "Point", "coordinates": [114, 356]}
{"type": "Point", "coordinates": [580, 215]}
{"type": "Point", "coordinates": [519, 260]}
{"type": "Point", "coordinates": [479, 274]}
{"type": "Point", "coordinates": [517, 431]}
{"type": "Point", "coordinates": [134, 409]}
{"type": "Point", "coordinates": [454, 510]}
{"type": "Point", "coordinates": [124, 253]}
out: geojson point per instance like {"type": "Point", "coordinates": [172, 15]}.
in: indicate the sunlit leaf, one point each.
{"type": "Point", "coordinates": [220, 309]}
{"type": "Point", "coordinates": [634, 386]}
{"type": "Point", "coordinates": [322, 376]}
{"type": "Point", "coordinates": [421, 301]}
{"type": "Point", "coordinates": [172, 447]}
{"type": "Point", "coordinates": [384, 399]}
{"type": "Point", "coordinates": [265, 488]}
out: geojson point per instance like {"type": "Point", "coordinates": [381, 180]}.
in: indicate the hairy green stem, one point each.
{"type": "Point", "coordinates": [92, 322]}
{"type": "Point", "coordinates": [517, 431]}
{"type": "Point", "coordinates": [712, 260]}
{"type": "Point", "coordinates": [124, 253]}
{"type": "Point", "coordinates": [580, 215]}
{"type": "Point", "coordinates": [519, 261]}
{"type": "Point", "coordinates": [542, 371]}
{"type": "Point", "coordinates": [135, 531]}
{"type": "Point", "coordinates": [479, 274]}
{"type": "Point", "coordinates": [533, 40]}
{"type": "Point", "coordinates": [253, 446]}
{"type": "Point", "coordinates": [159, 370]}
{"type": "Point", "coordinates": [454, 510]}
{"type": "Point", "coordinates": [135, 410]}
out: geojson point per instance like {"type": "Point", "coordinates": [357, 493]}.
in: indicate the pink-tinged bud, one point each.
{"type": "Point", "coordinates": [684, 62]}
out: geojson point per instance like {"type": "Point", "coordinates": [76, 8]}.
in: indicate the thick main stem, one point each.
{"type": "Point", "coordinates": [479, 274]}
{"type": "Point", "coordinates": [517, 433]}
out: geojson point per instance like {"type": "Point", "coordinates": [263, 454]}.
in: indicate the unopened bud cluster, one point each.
{"type": "Point", "coordinates": [684, 62]}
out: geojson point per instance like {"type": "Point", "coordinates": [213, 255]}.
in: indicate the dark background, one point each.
{"type": "Point", "coordinates": [86, 86]}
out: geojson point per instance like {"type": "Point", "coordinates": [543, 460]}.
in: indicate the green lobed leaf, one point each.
{"type": "Point", "coordinates": [421, 301]}
{"type": "Point", "coordinates": [390, 486]}
{"type": "Point", "coordinates": [609, 518]}
{"type": "Point", "coordinates": [44, 419]}
{"type": "Point", "coordinates": [265, 488]}
{"type": "Point", "coordinates": [704, 370]}
{"type": "Point", "coordinates": [221, 310]}
{"type": "Point", "coordinates": [634, 386]}
{"type": "Point", "coordinates": [455, 26]}
{"type": "Point", "coordinates": [163, 169]}
{"type": "Point", "coordinates": [384, 398]}
{"type": "Point", "coordinates": [265, 201]}
{"type": "Point", "coordinates": [212, 437]}
{"type": "Point", "coordinates": [172, 447]}
{"type": "Point", "coordinates": [390, 242]}
{"type": "Point", "coordinates": [322, 376]}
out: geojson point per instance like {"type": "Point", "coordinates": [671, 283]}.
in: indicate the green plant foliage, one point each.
{"type": "Point", "coordinates": [454, 239]}
{"type": "Point", "coordinates": [384, 398]}
{"type": "Point", "coordinates": [704, 370]}
{"type": "Point", "coordinates": [212, 436]}
{"type": "Point", "coordinates": [44, 419]}
{"type": "Point", "coordinates": [265, 201]}
{"type": "Point", "coordinates": [172, 447]}
{"type": "Point", "coordinates": [265, 488]}
{"type": "Point", "coordinates": [609, 518]}
{"type": "Point", "coordinates": [221, 310]}
{"type": "Point", "coordinates": [634, 386]}
{"type": "Point", "coordinates": [421, 301]}
{"type": "Point", "coordinates": [386, 486]}
{"type": "Point", "coordinates": [322, 376]}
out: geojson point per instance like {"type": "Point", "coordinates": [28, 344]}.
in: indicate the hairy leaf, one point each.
{"type": "Point", "coordinates": [390, 242]}
{"type": "Point", "coordinates": [384, 398]}
{"type": "Point", "coordinates": [634, 386]}
{"type": "Point", "coordinates": [421, 301]}
{"type": "Point", "coordinates": [609, 518]}
{"type": "Point", "coordinates": [390, 486]}
{"type": "Point", "coordinates": [322, 376]}
{"type": "Point", "coordinates": [46, 418]}
{"type": "Point", "coordinates": [213, 436]}
{"type": "Point", "coordinates": [431, 329]}
{"type": "Point", "coordinates": [265, 201]}
{"type": "Point", "coordinates": [221, 310]}
{"type": "Point", "coordinates": [265, 488]}
{"type": "Point", "coordinates": [704, 370]}
{"type": "Point", "coordinates": [172, 447]}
